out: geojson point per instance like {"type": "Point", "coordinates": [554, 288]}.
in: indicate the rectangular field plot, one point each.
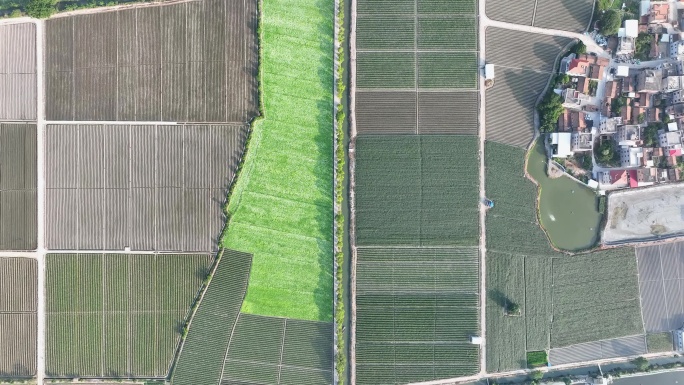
{"type": "Point", "coordinates": [386, 70]}
{"type": "Point", "coordinates": [194, 61]}
{"type": "Point", "coordinates": [599, 350]}
{"type": "Point", "coordinates": [417, 190]}
{"type": "Point", "coordinates": [385, 32]}
{"type": "Point", "coordinates": [18, 180]}
{"type": "Point", "coordinates": [518, 12]}
{"type": "Point", "coordinates": [143, 187]}
{"type": "Point", "coordinates": [18, 320]}
{"type": "Point", "coordinates": [273, 351]}
{"type": "Point", "coordinates": [523, 50]}
{"type": "Point", "coordinates": [18, 72]}
{"type": "Point", "coordinates": [567, 15]}
{"type": "Point", "coordinates": [439, 32]}
{"type": "Point", "coordinates": [661, 278]}
{"type": "Point", "coordinates": [118, 315]}
{"type": "Point", "coordinates": [416, 309]}
{"type": "Point", "coordinates": [435, 112]}
{"type": "Point", "coordinates": [452, 70]}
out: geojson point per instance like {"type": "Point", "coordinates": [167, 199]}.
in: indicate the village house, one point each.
{"type": "Point", "coordinates": [642, 177]}
{"type": "Point", "coordinates": [627, 36]}
{"type": "Point", "coordinates": [649, 81]}
{"type": "Point", "coordinates": [587, 66]}
{"type": "Point", "coordinates": [613, 179]}
{"type": "Point", "coordinates": [572, 120]}
{"type": "Point", "coordinates": [628, 135]}
{"type": "Point", "coordinates": [574, 99]}
{"type": "Point", "coordinates": [631, 156]}
{"type": "Point", "coordinates": [670, 140]}
{"type": "Point", "coordinates": [659, 13]}
{"type": "Point", "coordinates": [581, 142]}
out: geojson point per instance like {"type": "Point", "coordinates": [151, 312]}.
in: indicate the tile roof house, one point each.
{"type": "Point", "coordinates": [614, 178]}
{"type": "Point", "coordinates": [626, 112]}
{"type": "Point", "coordinates": [583, 85]}
{"type": "Point", "coordinates": [612, 89]}
{"type": "Point", "coordinates": [577, 67]}
{"type": "Point", "coordinates": [659, 13]}
{"type": "Point", "coordinates": [595, 72]}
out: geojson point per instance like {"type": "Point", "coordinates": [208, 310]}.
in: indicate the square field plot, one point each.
{"type": "Point", "coordinates": [117, 315]}
{"type": "Point", "coordinates": [18, 72]}
{"type": "Point", "coordinates": [143, 187]}
{"type": "Point", "coordinates": [18, 199]}
{"type": "Point", "coordinates": [417, 190]}
{"type": "Point", "coordinates": [194, 61]}
{"type": "Point", "coordinates": [18, 321]}
{"type": "Point", "coordinates": [417, 308]}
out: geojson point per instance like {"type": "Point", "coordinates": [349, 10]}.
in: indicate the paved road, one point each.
{"type": "Point", "coordinates": [653, 379]}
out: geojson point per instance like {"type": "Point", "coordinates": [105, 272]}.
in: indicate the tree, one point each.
{"type": "Point", "coordinates": [40, 9]}
{"type": "Point", "coordinates": [610, 22]}
{"type": "Point", "coordinates": [641, 363]}
{"type": "Point", "coordinates": [550, 109]}
{"type": "Point", "coordinates": [617, 104]}
{"type": "Point", "coordinates": [651, 134]}
{"type": "Point", "coordinates": [536, 375]}
{"type": "Point", "coordinates": [607, 153]}
{"type": "Point", "coordinates": [563, 78]}
{"type": "Point", "coordinates": [580, 48]}
{"type": "Point", "coordinates": [513, 308]}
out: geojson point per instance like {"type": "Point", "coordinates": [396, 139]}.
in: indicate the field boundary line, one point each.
{"type": "Point", "coordinates": [417, 247]}
{"type": "Point", "coordinates": [641, 306]}
{"type": "Point", "coordinates": [41, 332]}
{"type": "Point", "coordinates": [417, 50]}
{"type": "Point", "coordinates": [120, 7]}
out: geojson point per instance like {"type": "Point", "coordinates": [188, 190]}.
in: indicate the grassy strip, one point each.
{"type": "Point", "coordinates": [281, 209]}
{"type": "Point", "coordinates": [660, 342]}
{"type": "Point", "coordinates": [340, 352]}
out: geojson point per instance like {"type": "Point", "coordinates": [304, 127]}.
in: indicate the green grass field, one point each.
{"type": "Point", "coordinates": [537, 359]}
{"type": "Point", "coordinates": [659, 342]}
{"type": "Point", "coordinates": [281, 209]}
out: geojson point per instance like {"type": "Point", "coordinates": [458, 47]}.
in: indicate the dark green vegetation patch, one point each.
{"type": "Point", "coordinates": [416, 310]}
{"type": "Point", "coordinates": [537, 359]}
{"type": "Point", "coordinates": [447, 70]}
{"type": "Point", "coordinates": [386, 70]}
{"type": "Point", "coordinates": [116, 315]}
{"type": "Point", "coordinates": [417, 190]}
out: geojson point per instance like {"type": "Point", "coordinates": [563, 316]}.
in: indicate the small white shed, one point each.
{"type": "Point", "coordinates": [476, 340]}
{"type": "Point", "coordinates": [489, 71]}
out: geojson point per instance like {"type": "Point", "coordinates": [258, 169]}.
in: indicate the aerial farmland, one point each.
{"type": "Point", "coordinates": [243, 192]}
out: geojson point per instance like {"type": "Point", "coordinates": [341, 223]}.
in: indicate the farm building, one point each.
{"type": "Point", "coordinates": [489, 71]}
{"type": "Point", "coordinates": [562, 144]}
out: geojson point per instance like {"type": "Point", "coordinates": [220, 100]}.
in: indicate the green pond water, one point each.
{"type": "Point", "coordinates": [567, 209]}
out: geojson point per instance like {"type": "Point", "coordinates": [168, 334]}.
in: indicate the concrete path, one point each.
{"type": "Point", "coordinates": [41, 192]}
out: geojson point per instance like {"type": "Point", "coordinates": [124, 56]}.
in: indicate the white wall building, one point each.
{"type": "Point", "coordinates": [563, 144]}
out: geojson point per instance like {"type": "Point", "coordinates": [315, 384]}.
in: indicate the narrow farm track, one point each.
{"type": "Point", "coordinates": [41, 193]}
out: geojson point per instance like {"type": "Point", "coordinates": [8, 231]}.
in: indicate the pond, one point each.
{"type": "Point", "coordinates": [568, 209]}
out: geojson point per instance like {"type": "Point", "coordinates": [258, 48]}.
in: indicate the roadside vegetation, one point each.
{"type": "Point", "coordinates": [551, 108]}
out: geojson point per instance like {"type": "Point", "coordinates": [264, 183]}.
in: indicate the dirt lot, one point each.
{"type": "Point", "coordinates": [645, 214]}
